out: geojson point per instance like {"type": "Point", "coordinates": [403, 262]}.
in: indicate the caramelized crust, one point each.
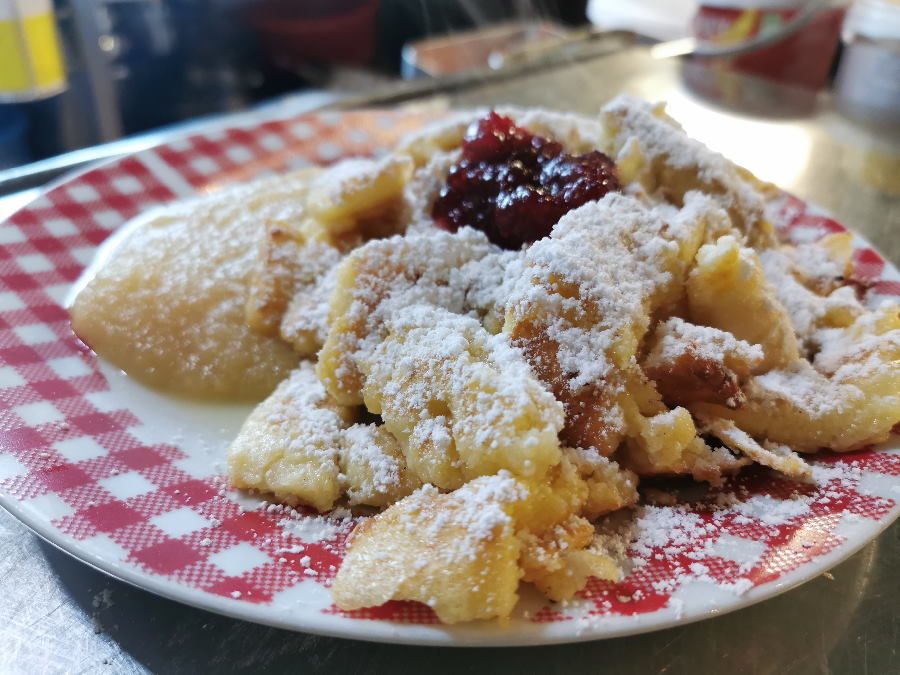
{"type": "Point", "coordinates": [691, 364]}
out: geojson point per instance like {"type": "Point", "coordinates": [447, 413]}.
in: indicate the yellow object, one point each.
{"type": "Point", "coordinates": [741, 29]}
{"type": "Point", "coordinates": [30, 59]}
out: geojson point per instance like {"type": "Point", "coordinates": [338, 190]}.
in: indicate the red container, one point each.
{"type": "Point", "coordinates": [316, 31]}
{"type": "Point", "coordinates": [802, 59]}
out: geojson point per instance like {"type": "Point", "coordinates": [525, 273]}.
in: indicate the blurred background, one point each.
{"type": "Point", "coordinates": [77, 73]}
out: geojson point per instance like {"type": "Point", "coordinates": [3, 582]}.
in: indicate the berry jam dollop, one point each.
{"type": "Point", "coordinates": [514, 186]}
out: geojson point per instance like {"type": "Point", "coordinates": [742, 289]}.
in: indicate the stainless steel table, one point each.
{"type": "Point", "coordinates": [60, 616]}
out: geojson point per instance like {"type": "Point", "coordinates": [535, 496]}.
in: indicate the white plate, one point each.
{"type": "Point", "coordinates": [129, 481]}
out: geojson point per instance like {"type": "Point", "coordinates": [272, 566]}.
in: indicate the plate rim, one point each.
{"type": "Point", "coordinates": [446, 636]}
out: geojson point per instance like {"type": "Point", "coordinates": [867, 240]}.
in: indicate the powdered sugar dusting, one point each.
{"type": "Point", "coordinates": [803, 386]}
{"type": "Point", "coordinates": [589, 248]}
{"type": "Point", "coordinates": [316, 529]}
{"type": "Point", "coordinates": [676, 335]}
{"type": "Point", "coordinates": [695, 541]}
{"type": "Point", "coordinates": [806, 308]}
{"type": "Point", "coordinates": [660, 138]}
{"type": "Point", "coordinates": [479, 510]}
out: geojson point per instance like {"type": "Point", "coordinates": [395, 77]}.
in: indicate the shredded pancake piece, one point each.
{"type": "Point", "coordinates": [582, 306]}
{"type": "Point", "coordinates": [690, 363]}
{"type": "Point", "coordinates": [452, 271]}
{"type": "Point", "coordinates": [652, 151]}
{"type": "Point", "coordinates": [288, 445]}
{"type": "Point", "coordinates": [462, 402]}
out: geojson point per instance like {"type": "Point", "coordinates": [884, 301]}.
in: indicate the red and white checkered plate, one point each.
{"type": "Point", "coordinates": [131, 482]}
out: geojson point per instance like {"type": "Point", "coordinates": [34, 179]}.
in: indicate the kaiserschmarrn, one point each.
{"type": "Point", "coordinates": [492, 334]}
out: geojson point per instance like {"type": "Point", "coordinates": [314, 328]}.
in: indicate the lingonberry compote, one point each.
{"type": "Point", "coordinates": [514, 186]}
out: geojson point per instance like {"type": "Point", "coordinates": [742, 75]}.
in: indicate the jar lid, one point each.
{"type": "Point", "coordinates": [874, 19]}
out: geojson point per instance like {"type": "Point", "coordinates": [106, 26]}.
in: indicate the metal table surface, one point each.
{"type": "Point", "coordinates": [60, 616]}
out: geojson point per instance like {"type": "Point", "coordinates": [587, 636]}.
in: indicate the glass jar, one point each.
{"type": "Point", "coordinates": [802, 58]}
